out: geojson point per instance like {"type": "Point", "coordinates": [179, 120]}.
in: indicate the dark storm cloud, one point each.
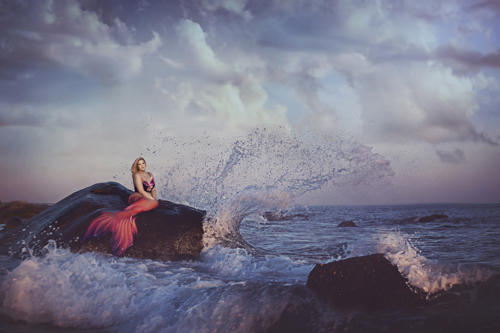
{"type": "Point", "coordinates": [55, 53]}
{"type": "Point", "coordinates": [458, 124]}
{"type": "Point", "coordinates": [454, 157]}
{"type": "Point", "coordinates": [20, 116]}
{"type": "Point", "coordinates": [325, 26]}
{"type": "Point", "coordinates": [493, 5]}
{"type": "Point", "coordinates": [27, 115]}
{"type": "Point", "coordinates": [41, 34]}
{"type": "Point", "coordinates": [51, 85]}
{"type": "Point", "coordinates": [464, 61]}
{"type": "Point", "coordinates": [315, 26]}
{"type": "Point", "coordinates": [299, 33]}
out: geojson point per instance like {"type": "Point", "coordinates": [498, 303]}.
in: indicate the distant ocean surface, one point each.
{"type": "Point", "coordinates": [254, 281]}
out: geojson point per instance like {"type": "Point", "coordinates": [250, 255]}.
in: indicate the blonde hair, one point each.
{"type": "Point", "coordinates": [134, 165]}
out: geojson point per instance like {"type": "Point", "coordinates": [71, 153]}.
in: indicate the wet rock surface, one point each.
{"type": "Point", "coordinates": [169, 232]}
{"type": "Point", "coordinates": [369, 282]}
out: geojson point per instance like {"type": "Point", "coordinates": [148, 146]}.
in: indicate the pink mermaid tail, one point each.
{"type": "Point", "coordinates": [121, 224]}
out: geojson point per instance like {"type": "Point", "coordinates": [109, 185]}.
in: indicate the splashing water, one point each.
{"type": "Point", "coordinates": [264, 170]}
{"type": "Point", "coordinates": [225, 228]}
{"type": "Point", "coordinates": [421, 272]}
{"type": "Point", "coordinates": [42, 289]}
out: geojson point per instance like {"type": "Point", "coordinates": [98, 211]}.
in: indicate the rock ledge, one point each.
{"type": "Point", "coordinates": [169, 232]}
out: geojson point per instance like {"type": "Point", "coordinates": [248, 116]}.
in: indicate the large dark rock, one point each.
{"type": "Point", "coordinates": [368, 282]}
{"type": "Point", "coordinates": [169, 232]}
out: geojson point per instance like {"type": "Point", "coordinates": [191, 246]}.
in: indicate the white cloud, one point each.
{"type": "Point", "coordinates": [409, 99]}
{"type": "Point", "coordinates": [227, 106]}
{"type": "Point", "coordinates": [413, 101]}
{"type": "Point", "coordinates": [197, 54]}
{"type": "Point", "coordinates": [211, 90]}
{"type": "Point", "coordinates": [374, 22]}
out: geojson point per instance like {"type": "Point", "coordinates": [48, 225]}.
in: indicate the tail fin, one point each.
{"type": "Point", "coordinates": [123, 230]}
{"type": "Point", "coordinates": [100, 225]}
{"type": "Point", "coordinates": [122, 224]}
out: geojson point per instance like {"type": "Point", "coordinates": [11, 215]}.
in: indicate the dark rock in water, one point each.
{"type": "Point", "coordinates": [431, 218]}
{"type": "Point", "coordinates": [169, 232]}
{"type": "Point", "coordinates": [347, 224]}
{"type": "Point", "coordinates": [283, 216]}
{"type": "Point", "coordinates": [14, 213]}
{"type": "Point", "coordinates": [368, 282]}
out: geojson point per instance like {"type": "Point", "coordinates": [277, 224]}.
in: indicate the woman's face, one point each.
{"type": "Point", "coordinates": [141, 165]}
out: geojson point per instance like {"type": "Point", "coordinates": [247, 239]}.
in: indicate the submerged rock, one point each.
{"type": "Point", "coordinates": [169, 232]}
{"type": "Point", "coordinates": [347, 224]}
{"type": "Point", "coordinates": [283, 216]}
{"type": "Point", "coordinates": [368, 282]}
{"type": "Point", "coordinates": [431, 218]}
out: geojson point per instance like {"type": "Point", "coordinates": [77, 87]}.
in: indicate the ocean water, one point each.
{"type": "Point", "coordinates": [455, 260]}
{"type": "Point", "coordinates": [251, 275]}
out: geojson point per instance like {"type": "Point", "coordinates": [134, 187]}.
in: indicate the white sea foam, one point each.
{"type": "Point", "coordinates": [67, 290]}
{"type": "Point", "coordinates": [91, 290]}
{"type": "Point", "coordinates": [83, 290]}
{"type": "Point", "coordinates": [239, 264]}
{"type": "Point", "coordinates": [425, 274]}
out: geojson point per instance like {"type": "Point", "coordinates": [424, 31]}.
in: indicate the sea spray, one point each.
{"type": "Point", "coordinates": [224, 229]}
{"type": "Point", "coordinates": [430, 276]}
{"type": "Point", "coordinates": [215, 173]}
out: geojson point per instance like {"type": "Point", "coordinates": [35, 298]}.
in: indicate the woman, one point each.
{"type": "Point", "coordinates": [122, 224]}
{"type": "Point", "coordinates": [140, 177]}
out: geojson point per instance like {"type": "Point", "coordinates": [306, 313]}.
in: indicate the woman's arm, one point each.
{"type": "Point", "coordinates": [153, 191]}
{"type": "Point", "coordinates": [140, 188]}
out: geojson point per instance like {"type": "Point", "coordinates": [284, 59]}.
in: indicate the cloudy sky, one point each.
{"type": "Point", "coordinates": [87, 86]}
